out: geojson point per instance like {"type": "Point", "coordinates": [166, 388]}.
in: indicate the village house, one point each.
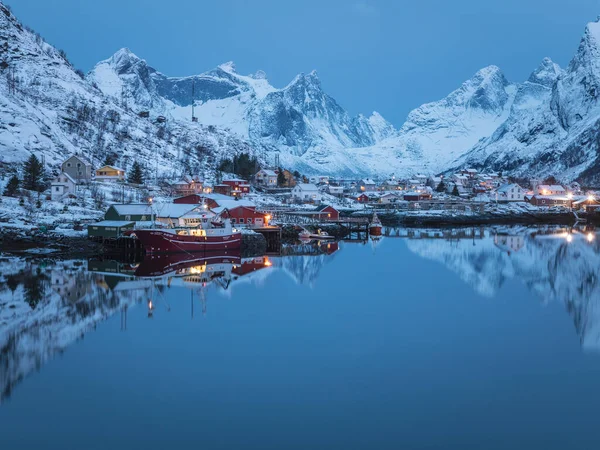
{"type": "Point", "coordinates": [415, 184]}
{"type": "Point", "coordinates": [109, 173]}
{"type": "Point", "coordinates": [222, 189]}
{"type": "Point", "coordinates": [245, 216]}
{"type": "Point", "coordinates": [390, 184]}
{"type": "Point", "coordinates": [266, 178]}
{"type": "Point", "coordinates": [469, 173]}
{"type": "Point", "coordinates": [238, 186]}
{"type": "Point", "coordinates": [79, 168]}
{"type": "Point", "coordinates": [187, 186]}
{"type": "Point", "coordinates": [366, 197]}
{"type": "Point", "coordinates": [417, 196]}
{"type": "Point", "coordinates": [511, 193]}
{"type": "Point", "coordinates": [319, 179]}
{"type": "Point", "coordinates": [322, 213]}
{"type": "Point", "coordinates": [197, 199]}
{"type": "Point", "coordinates": [307, 193]}
{"type": "Point", "coordinates": [335, 190]}
{"type": "Point", "coordinates": [550, 189]}
{"type": "Point", "coordinates": [434, 182]}
{"type": "Point", "coordinates": [61, 186]}
{"type": "Point", "coordinates": [367, 185]}
{"type": "Point", "coordinates": [551, 200]}
{"type": "Point", "coordinates": [388, 198]}
{"type": "Point", "coordinates": [134, 212]}
{"type": "Point", "coordinates": [460, 179]}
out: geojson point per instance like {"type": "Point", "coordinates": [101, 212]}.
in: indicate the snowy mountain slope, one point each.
{"type": "Point", "coordinates": [295, 119]}
{"type": "Point", "coordinates": [48, 109]}
{"type": "Point", "coordinates": [554, 128]}
{"type": "Point", "coordinates": [549, 124]}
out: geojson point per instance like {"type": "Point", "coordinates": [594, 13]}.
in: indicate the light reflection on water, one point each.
{"type": "Point", "coordinates": [503, 317]}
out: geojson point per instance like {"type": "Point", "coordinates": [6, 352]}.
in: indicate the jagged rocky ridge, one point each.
{"type": "Point", "coordinates": [546, 125]}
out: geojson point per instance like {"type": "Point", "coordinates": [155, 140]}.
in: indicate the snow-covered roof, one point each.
{"type": "Point", "coordinates": [367, 181]}
{"type": "Point", "coordinates": [80, 158]}
{"type": "Point", "coordinates": [307, 187]}
{"type": "Point", "coordinates": [231, 203]}
{"type": "Point", "coordinates": [508, 187]}
{"type": "Point", "coordinates": [174, 210]}
{"type": "Point", "coordinates": [235, 180]}
{"type": "Point", "coordinates": [133, 209]}
{"type": "Point", "coordinates": [110, 167]}
{"type": "Point", "coordinates": [268, 172]}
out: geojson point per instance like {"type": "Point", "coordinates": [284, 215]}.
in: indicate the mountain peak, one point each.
{"type": "Point", "coordinates": [546, 73]}
{"type": "Point", "coordinates": [228, 67]}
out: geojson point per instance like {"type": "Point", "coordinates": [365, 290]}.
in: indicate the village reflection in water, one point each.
{"type": "Point", "coordinates": [46, 305]}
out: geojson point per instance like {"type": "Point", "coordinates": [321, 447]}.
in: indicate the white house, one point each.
{"type": "Point", "coordinates": [388, 198]}
{"type": "Point", "coordinates": [62, 185]}
{"type": "Point", "coordinates": [335, 190]}
{"type": "Point", "coordinates": [306, 192]}
{"type": "Point", "coordinates": [367, 185]}
{"type": "Point", "coordinates": [511, 193]}
{"type": "Point", "coordinates": [266, 177]}
{"type": "Point", "coordinates": [79, 168]}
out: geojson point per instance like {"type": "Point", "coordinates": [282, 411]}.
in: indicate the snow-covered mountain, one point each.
{"type": "Point", "coordinates": [47, 108]}
{"type": "Point", "coordinates": [554, 124]}
{"type": "Point", "coordinates": [547, 125]}
{"type": "Point", "coordinates": [301, 121]}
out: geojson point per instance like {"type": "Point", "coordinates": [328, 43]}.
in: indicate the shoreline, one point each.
{"type": "Point", "coordinates": [61, 246]}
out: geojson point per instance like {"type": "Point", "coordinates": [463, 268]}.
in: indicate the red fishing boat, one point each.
{"type": "Point", "coordinates": [375, 226]}
{"type": "Point", "coordinates": [189, 240]}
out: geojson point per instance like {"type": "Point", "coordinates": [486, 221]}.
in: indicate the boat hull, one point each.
{"type": "Point", "coordinates": [158, 241]}
{"type": "Point", "coordinates": [375, 230]}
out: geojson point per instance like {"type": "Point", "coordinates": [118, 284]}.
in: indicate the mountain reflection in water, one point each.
{"type": "Point", "coordinates": [45, 306]}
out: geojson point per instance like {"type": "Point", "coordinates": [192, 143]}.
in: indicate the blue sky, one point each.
{"type": "Point", "coordinates": [385, 55]}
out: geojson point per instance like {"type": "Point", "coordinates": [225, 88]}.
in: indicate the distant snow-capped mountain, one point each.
{"type": "Point", "coordinates": [550, 124]}
{"type": "Point", "coordinates": [296, 120]}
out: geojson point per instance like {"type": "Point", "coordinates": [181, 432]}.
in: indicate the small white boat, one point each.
{"type": "Point", "coordinates": [319, 234]}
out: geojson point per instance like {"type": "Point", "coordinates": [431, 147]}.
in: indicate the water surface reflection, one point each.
{"type": "Point", "coordinates": [334, 305]}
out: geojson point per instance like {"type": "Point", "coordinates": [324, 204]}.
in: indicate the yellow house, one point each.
{"type": "Point", "coordinates": [110, 173]}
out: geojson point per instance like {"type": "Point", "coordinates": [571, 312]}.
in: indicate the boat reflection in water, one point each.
{"type": "Point", "coordinates": [189, 271]}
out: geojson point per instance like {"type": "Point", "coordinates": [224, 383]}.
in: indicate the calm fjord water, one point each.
{"type": "Point", "coordinates": [413, 343]}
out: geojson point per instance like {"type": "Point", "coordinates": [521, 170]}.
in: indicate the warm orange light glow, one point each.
{"type": "Point", "coordinates": [590, 198]}
{"type": "Point", "coordinates": [268, 263]}
{"type": "Point", "coordinates": [590, 237]}
{"type": "Point", "coordinates": [268, 217]}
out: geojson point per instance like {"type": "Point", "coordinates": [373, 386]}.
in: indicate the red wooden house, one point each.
{"type": "Point", "coordinates": [196, 199]}
{"type": "Point", "coordinates": [223, 189]}
{"type": "Point", "coordinates": [246, 216]}
{"type": "Point", "coordinates": [363, 198]}
{"type": "Point", "coordinates": [238, 186]}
